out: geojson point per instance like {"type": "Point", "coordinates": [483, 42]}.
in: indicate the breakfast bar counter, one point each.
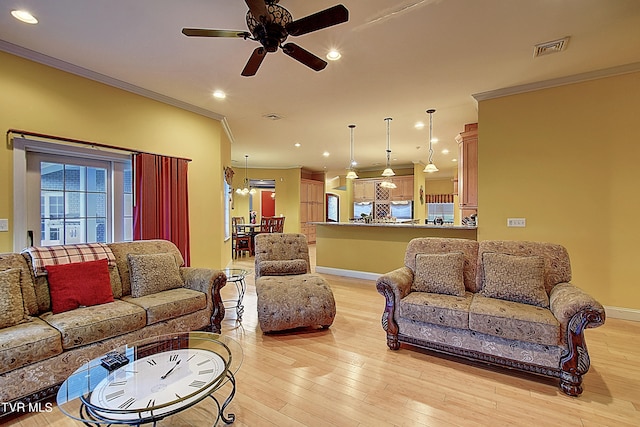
{"type": "Point", "coordinates": [366, 250]}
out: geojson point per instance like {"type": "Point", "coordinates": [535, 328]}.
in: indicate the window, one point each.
{"type": "Point", "coordinates": [70, 195]}
{"type": "Point", "coordinates": [440, 210]}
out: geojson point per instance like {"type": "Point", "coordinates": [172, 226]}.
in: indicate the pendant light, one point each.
{"type": "Point", "coordinates": [430, 168]}
{"type": "Point", "coordinates": [245, 190]}
{"type": "Point", "coordinates": [388, 172]}
{"type": "Point", "coordinates": [352, 173]}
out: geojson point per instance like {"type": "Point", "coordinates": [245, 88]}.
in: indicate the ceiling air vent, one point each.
{"type": "Point", "coordinates": [553, 46]}
{"type": "Point", "coordinates": [272, 116]}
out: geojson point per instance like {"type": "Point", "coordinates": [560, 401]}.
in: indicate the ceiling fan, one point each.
{"type": "Point", "coordinates": [271, 24]}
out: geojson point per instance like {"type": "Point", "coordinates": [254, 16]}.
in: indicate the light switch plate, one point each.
{"type": "Point", "coordinates": [4, 225]}
{"type": "Point", "coordinates": [516, 222]}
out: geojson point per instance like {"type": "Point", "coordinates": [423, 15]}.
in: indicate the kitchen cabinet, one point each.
{"type": "Point", "coordinates": [311, 207]}
{"type": "Point", "coordinates": [404, 188]}
{"type": "Point", "coordinates": [364, 190]}
{"type": "Point", "coordinates": [468, 169]}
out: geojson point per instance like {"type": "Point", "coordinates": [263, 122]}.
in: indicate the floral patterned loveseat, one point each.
{"type": "Point", "coordinates": [43, 340]}
{"type": "Point", "coordinates": [506, 303]}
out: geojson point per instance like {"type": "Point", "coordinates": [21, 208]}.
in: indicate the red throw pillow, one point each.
{"type": "Point", "coordinates": [79, 284]}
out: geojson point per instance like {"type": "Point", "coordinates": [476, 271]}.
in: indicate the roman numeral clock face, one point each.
{"type": "Point", "coordinates": [169, 380]}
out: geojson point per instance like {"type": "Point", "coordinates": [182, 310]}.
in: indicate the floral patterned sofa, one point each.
{"type": "Point", "coordinates": [61, 306]}
{"type": "Point", "coordinates": [506, 303]}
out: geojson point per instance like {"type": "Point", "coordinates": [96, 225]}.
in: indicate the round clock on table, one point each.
{"type": "Point", "coordinates": [157, 385]}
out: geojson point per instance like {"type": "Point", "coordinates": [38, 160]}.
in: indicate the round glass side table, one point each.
{"type": "Point", "coordinates": [237, 277]}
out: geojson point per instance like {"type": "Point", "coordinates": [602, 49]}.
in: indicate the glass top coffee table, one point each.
{"type": "Point", "coordinates": [149, 380]}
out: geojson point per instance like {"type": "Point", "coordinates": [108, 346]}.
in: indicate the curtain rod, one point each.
{"type": "Point", "coordinates": [79, 141]}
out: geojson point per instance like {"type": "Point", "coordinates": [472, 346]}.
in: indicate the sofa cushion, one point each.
{"type": "Point", "coordinates": [283, 268]}
{"type": "Point", "coordinates": [11, 305]}
{"type": "Point", "coordinates": [122, 249]}
{"type": "Point", "coordinates": [437, 245]}
{"type": "Point", "coordinates": [79, 284]}
{"type": "Point", "coordinates": [13, 260]}
{"type": "Point", "coordinates": [513, 320]}
{"type": "Point", "coordinates": [439, 273]}
{"type": "Point", "coordinates": [28, 343]}
{"type": "Point", "coordinates": [151, 273]}
{"type": "Point", "coordinates": [445, 310]}
{"type": "Point", "coordinates": [514, 278]}
{"type": "Point", "coordinates": [557, 266]}
{"type": "Point", "coordinates": [169, 304]}
{"type": "Point", "coordinates": [86, 325]}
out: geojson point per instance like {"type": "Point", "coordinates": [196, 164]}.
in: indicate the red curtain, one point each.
{"type": "Point", "coordinates": [161, 208]}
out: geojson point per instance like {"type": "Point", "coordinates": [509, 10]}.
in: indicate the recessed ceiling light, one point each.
{"type": "Point", "coordinates": [434, 140]}
{"type": "Point", "coordinates": [24, 16]}
{"type": "Point", "coordinates": [419, 125]}
{"type": "Point", "coordinates": [333, 55]}
{"type": "Point", "coordinates": [297, 144]}
{"type": "Point", "coordinates": [218, 94]}
{"type": "Point", "coordinates": [445, 151]}
{"type": "Point", "coordinates": [326, 154]}
{"type": "Point", "coordinates": [454, 160]}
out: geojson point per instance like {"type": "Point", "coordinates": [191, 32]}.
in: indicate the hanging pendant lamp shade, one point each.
{"type": "Point", "coordinates": [430, 168]}
{"type": "Point", "coordinates": [388, 171]}
{"type": "Point", "coordinates": [352, 173]}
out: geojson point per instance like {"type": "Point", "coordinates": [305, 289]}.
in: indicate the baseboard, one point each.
{"type": "Point", "coordinates": [348, 273]}
{"type": "Point", "coordinates": [623, 313]}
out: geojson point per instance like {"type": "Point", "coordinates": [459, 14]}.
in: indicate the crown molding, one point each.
{"type": "Point", "coordinates": [545, 84]}
{"type": "Point", "coordinates": [59, 64]}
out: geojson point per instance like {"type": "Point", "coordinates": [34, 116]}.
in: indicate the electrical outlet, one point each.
{"type": "Point", "coordinates": [4, 225]}
{"type": "Point", "coordinates": [516, 222]}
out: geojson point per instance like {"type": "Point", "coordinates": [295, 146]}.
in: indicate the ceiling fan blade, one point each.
{"type": "Point", "coordinates": [304, 56]}
{"type": "Point", "coordinates": [323, 19]}
{"type": "Point", "coordinates": [202, 32]}
{"type": "Point", "coordinates": [258, 8]}
{"type": "Point", "coordinates": [254, 62]}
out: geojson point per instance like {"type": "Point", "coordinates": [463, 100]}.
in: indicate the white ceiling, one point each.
{"type": "Point", "coordinates": [398, 59]}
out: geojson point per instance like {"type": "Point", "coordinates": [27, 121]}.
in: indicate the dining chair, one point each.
{"type": "Point", "coordinates": [241, 241]}
{"type": "Point", "coordinates": [272, 224]}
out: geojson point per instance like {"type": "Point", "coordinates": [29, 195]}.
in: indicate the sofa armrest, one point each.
{"type": "Point", "coordinates": [575, 310]}
{"type": "Point", "coordinates": [567, 300]}
{"type": "Point", "coordinates": [394, 286]}
{"type": "Point", "coordinates": [210, 282]}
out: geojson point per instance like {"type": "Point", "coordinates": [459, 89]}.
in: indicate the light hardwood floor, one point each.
{"type": "Point", "coordinates": [346, 376]}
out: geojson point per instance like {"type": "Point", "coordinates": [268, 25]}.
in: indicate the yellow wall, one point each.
{"type": "Point", "coordinates": [287, 195]}
{"type": "Point", "coordinates": [41, 99]}
{"type": "Point", "coordinates": [566, 159]}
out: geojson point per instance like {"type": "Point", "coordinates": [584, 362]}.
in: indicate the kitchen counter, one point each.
{"type": "Point", "coordinates": [367, 250]}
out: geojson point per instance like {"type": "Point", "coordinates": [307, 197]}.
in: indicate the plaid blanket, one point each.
{"type": "Point", "coordinates": [42, 256]}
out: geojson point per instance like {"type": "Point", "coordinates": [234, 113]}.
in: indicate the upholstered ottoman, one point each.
{"type": "Point", "coordinates": [287, 302]}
